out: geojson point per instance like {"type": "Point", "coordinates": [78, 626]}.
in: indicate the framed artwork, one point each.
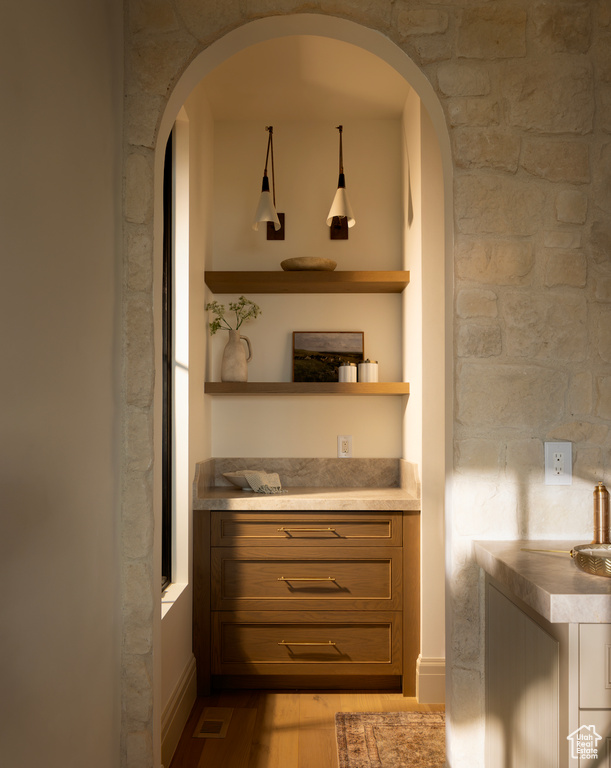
{"type": "Point", "coordinates": [317, 355]}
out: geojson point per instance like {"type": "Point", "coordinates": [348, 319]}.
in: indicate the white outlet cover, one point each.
{"type": "Point", "coordinates": [566, 476]}
{"type": "Point", "coordinates": [344, 446]}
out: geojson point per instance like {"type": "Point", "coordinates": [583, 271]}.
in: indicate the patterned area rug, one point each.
{"type": "Point", "coordinates": [390, 739]}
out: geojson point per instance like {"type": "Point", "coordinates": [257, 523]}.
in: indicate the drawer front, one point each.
{"type": "Point", "coordinates": [307, 578]}
{"type": "Point", "coordinates": [595, 666]}
{"type": "Point", "coordinates": [250, 643]}
{"type": "Point", "coordinates": [286, 529]}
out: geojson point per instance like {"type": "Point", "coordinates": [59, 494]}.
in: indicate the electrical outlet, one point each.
{"type": "Point", "coordinates": [344, 446]}
{"type": "Point", "coordinates": [558, 464]}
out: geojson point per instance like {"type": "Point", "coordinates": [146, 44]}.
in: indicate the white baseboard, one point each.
{"type": "Point", "coordinates": [177, 711]}
{"type": "Point", "coordinates": [431, 680]}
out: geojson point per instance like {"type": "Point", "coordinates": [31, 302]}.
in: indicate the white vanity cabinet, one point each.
{"type": "Point", "coordinates": [595, 666]}
{"type": "Point", "coordinates": [548, 659]}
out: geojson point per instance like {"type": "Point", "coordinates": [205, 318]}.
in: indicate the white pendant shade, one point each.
{"type": "Point", "coordinates": [266, 211]}
{"type": "Point", "coordinates": [341, 207]}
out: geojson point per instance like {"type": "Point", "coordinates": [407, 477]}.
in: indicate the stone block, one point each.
{"type": "Point", "coordinates": [478, 340]}
{"type": "Point", "coordinates": [601, 178]}
{"type": "Point", "coordinates": [476, 302]}
{"type": "Point", "coordinates": [556, 96]}
{"type": "Point", "coordinates": [154, 62]}
{"type": "Point", "coordinates": [138, 202]}
{"type": "Point", "coordinates": [421, 21]}
{"type": "Point", "coordinates": [138, 691]}
{"type": "Point", "coordinates": [463, 79]}
{"type": "Point", "coordinates": [138, 605]}
{"type": "Point", "coordinates": [486, 148]}
{"type": "Point", "coordinates": [137, 516]}
{"type": "Point", "coordinates": [139, 351]}
{"type": "Point", "coordinates": [139, 258]}
{"type": "Point", "coordinates": [151, 16]}
{"type": "Point", "coordinates": [495, 262]}
{"type": "Point", "coordinates": [429, 49]}
{"type": "Point", "coordinates": [571, 206]}
{"type": "Point", "coordinates": [206, 21]}
{"type": "Point", "coordinates": [488, 32]}
{"type": "Point", "coordinates": [546, 326]}
{"type": "Point", "coordinates": [139, 746]}
{"type": "Point", "coordinates": [604, 108]}
{"type": "Point", "coordinates": [599, 241]}
{"type": "Point", "coordinates": [497, 205]}
{"type": "Point", "coordinates": [588, 462]}
{"type": "Point", "coordinates": [566, 268]}
{"type": "Point", "coordinates": [562, 27]}
{"type": "Point", "coordinates": [524, 461]}
{"type": "Point", "coordinates": [478, 456]}
{"type": "Point", "coordinates": [476, 111]}
{"type": "Point", "coordinates": [604, 333]}
{"type": "Point", "coordinates": [602, 290]}
{"type": "Point", "coordinates": [580, 394]}
{"type": "Point", "coordinates": [579, 432]}
{"type": "Point", "coordinates": [562, 238]}
{"type": "Point", "coordinates": [509, 396]}
{"type": "Point", "coordinates": [372, 13]}
{"type": "Point", "coordinates": [556, 160]}
{"type": "Point", "coordinates": [138, 439]}
{"type": "Point", "coordinates": [141, 116]}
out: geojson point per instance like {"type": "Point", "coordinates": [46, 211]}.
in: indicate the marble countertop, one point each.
{"type": "Point", "coordinates": [549, 582]}
{"type": "Point", "coordinates": [308, 498]}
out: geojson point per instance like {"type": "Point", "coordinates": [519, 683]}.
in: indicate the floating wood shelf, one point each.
{"type": "Point", "coordinates": [306, 388]}
{"type": "Point", "coordinates": [307, 282]}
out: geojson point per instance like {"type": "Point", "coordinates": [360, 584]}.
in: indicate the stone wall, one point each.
{"type": "Point", "coordinates": [526, 89]}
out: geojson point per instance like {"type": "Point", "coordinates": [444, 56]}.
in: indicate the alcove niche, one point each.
{"type": "Point", "coordinates": [305, 76]}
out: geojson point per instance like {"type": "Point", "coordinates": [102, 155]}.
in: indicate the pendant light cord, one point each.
{"type": "Point", "coordinates": [340, 128]}
{"type": "Point", "coordinates": [270, 146]}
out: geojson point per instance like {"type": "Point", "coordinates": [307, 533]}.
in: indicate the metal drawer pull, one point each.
{"type": "Point", "coordinates": [287, 642]}
{"type": "Point", "coordinates": [307, 578]}
{"type": "Point", "coordinates": [302, 530]}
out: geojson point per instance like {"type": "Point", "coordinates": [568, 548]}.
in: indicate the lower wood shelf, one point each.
{"type": "Point", "coordinates": [305, 388]}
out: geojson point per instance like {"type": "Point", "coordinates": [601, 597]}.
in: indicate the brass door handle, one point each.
{"type": "Point", "coordinates": [306, 530]}
{"type": "Point", "coordinates": [288, 642]}
{"type": "Point", "coordinates": [306, 578]}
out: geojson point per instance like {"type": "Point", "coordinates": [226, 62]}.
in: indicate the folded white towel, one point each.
{"type": "Point", "coordinates": [263, 482]}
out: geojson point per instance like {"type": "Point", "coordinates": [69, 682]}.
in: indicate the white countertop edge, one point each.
{"type": "Point", "coordinates": [309, 499]}
{"type": "Point", "coordinates": [550, 583]}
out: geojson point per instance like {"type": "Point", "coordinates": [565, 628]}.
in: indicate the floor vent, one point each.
{"type": "Point", "coordinates": [214, 723]}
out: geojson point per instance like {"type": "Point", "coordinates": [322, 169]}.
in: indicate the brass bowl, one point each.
{"type": "Point", "coordinates": [598, 566]}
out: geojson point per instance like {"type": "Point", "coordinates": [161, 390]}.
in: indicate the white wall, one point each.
{"type": "Point", "coordinates": [306, 162]}
{"type": "Point", "coordinates": [60, 192]}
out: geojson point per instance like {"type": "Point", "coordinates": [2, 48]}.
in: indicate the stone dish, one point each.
{"type": "Point", "coordinates": [238, 479]}
{"type": "Point", "coordinates": [312, 263]}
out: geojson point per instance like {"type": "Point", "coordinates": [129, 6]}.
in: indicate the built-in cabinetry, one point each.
{"type": "Point", "coordinates": [307, 282]}
{"type": "Point", "coordinates": [306, 599]}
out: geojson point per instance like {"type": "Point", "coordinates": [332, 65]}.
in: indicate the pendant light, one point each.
{"type": "Point", "coordinates": [340, 215]}
{"type": "Point", "coordinates": [266, 210]}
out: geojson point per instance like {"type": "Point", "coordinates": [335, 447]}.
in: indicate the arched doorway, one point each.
{"type": "Point", "coordinates": [434, 290]}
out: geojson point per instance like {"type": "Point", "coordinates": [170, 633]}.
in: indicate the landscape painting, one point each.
{"type": "Point", "coordinates": [317, 355]}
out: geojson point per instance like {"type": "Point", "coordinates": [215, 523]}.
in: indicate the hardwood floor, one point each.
{"type": "Point", "coordinates": [278, 729]}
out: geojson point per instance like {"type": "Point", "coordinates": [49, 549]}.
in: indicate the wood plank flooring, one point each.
{"type": "Point", "coordinates": [280, 729]}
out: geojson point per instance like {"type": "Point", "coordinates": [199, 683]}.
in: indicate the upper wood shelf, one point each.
{"type": "Point", "coordinates": [306, 388]}
{"type": "Point", "coordinates": [307, 282]}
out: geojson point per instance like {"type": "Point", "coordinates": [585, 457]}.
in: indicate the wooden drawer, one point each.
{"type": "Point", "coordinates": [291, 529]}
{"type": "Point", "coordinates": [308, 578]}
{"type": "Point", "coordinates": [292, 643]}
{"type": "Point", "coordinates": [595, 666]}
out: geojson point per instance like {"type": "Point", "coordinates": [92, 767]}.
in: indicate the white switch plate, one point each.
{"type": "Point", "coordinates": [558, 463]}
{"type": "Point", "coordinates": [344, 446]}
